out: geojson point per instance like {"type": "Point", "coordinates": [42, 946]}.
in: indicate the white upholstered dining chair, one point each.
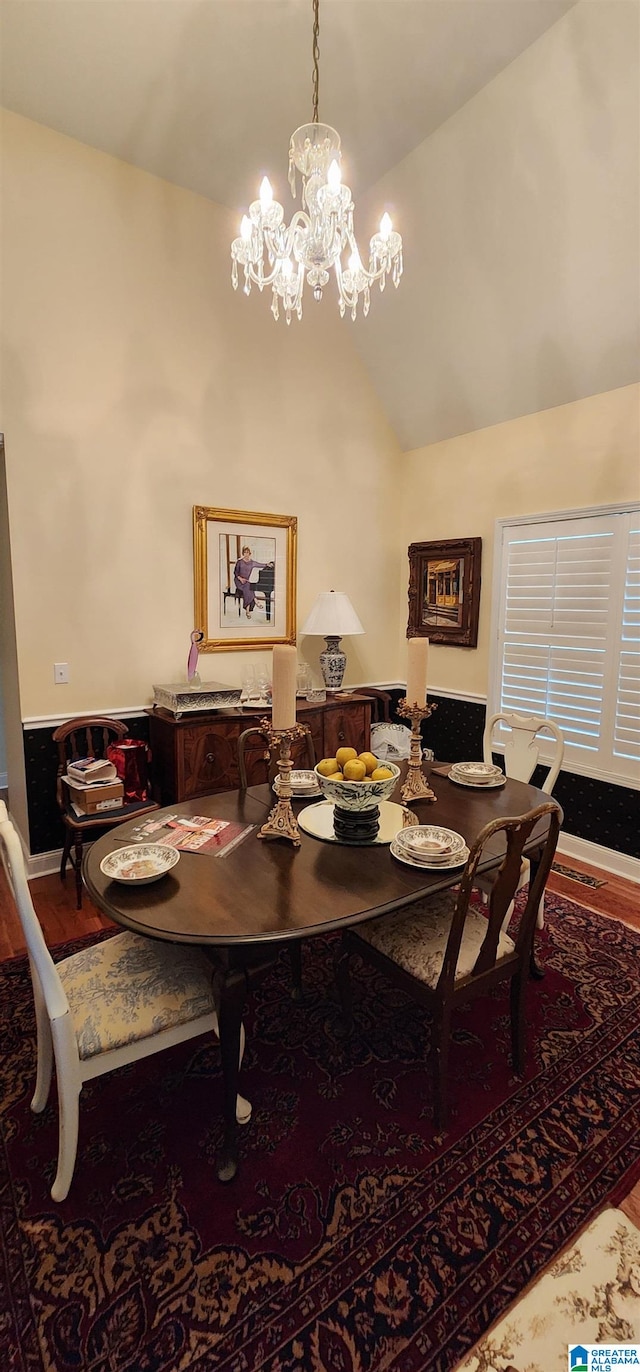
{"type": "Point", "coordinates": [521, 753]}
{"type": "Point", "coordinates": [108, 1005]}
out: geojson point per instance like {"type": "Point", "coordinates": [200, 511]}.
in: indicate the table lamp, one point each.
{"type": "Point", "coordinates": [332, 615]}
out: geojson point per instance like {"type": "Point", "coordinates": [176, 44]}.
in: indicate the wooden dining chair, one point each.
{"type": "Point", "coordinates": [87, 736]}
{"type": "Point", "coordinates": [304, 755]}
{"type": "Point", "coordinates": [522, 744]}
{"type": "Point", "coordinates": [380, 703]}
{"type": "Point", "coordinates": [110, 1004]}
{"type": "Point", "coordinates": [443, 952]}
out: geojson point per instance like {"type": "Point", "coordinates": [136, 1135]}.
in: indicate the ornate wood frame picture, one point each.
{"type": "Point", "coordinates": [244, 578]}
{"type": "Point", "coordinates": [444, 591]}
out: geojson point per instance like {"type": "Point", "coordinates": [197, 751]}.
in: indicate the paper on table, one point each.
{"type": "Point", "coordinates": [202, 834]}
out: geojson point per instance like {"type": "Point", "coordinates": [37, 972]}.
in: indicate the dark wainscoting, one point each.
{"type": "Point", "coordinates": [595, 810]}
{"type": "Point", "coordinates": [41, 765]}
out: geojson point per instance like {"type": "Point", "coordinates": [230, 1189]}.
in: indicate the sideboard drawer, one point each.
{"type": "Point", "coordinates": [209, 759]}
{"type": "Point", "coordinates": [346, 727]}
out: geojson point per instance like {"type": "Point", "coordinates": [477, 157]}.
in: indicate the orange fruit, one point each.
{"type": "Point", "coordinates": [345, 755]}
{"type": "Point", "coordinates": [370, 762]}
{"type": "Point", "coordinates": [328, 766]}
{"type": "Point", "coordinates": [354, 770]}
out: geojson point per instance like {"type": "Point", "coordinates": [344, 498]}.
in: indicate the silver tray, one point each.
{"type": "Point", "coordinates": [180, 698]}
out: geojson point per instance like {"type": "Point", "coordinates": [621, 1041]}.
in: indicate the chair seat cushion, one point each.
{"type": "Point", "coordinates": [129, 988]}
{"type": "Point", "coordinates": [417, 939]}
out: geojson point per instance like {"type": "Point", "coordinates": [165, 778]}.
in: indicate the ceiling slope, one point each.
{"type": "Point", "coordinates": [206, 93]}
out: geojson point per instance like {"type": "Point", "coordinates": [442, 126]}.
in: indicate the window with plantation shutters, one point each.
{"type": "Point", "coordinates": [567, 633]}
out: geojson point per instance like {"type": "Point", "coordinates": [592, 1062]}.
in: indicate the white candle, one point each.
{"type": "Point", "coordinates": [418, 652]}
{"type": "Point", "coordinates": [283, 689]}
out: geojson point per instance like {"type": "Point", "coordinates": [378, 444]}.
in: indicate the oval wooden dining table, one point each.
{"type": "Point", "coordinates": [245, 906]}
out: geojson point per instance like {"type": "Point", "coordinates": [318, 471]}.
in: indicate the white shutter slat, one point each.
{"type": "Point", "coordinates": [568, 629]}
{"type": "Point", "coordinates": [626, 729]}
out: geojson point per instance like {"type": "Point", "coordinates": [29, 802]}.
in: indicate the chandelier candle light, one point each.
{"type": "Point", "coordinates": [416, 708]}
{"type": "Point", "coordinates": [320, 234]}
{"type": "Point", "coordinates": [282, 730]}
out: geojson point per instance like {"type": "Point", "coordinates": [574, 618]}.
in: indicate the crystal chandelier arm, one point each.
{"type": "Point", "coordinates": [274, 254]}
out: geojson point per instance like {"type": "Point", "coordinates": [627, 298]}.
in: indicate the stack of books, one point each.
{"type": "Point", "coordinates": [93, 786]}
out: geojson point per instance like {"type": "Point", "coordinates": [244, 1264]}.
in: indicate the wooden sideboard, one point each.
{"type": "Point", "coordinates": [198, 753]}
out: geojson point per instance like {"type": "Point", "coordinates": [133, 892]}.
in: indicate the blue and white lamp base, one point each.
{"type": "Point", "coordinates": [333, 662]}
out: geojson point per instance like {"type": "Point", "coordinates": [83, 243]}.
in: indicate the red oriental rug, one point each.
{"type": "Point", "coordinates": [353, 1239]}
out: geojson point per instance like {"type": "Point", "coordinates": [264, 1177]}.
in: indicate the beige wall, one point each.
{"type": "Point", "coordinates": [520, 219]}
{"type": "Point", "coordinates": [585, 453]}
{"type": "Point", "coordinates": [137, 384]}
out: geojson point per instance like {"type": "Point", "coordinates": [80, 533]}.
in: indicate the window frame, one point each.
{"type": "Point", "coordinates": [550, 517]}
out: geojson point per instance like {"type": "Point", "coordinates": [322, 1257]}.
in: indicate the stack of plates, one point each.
{"type": "Point", "coordinates": [477, 774]}
{"type": "Point", "coordinates": [428, 845]}
{"type": "Point", "coordinates": [302, 784]}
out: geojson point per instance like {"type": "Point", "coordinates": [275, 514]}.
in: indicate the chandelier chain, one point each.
{"type": "Point", "coordinates": [316, 58]}
{"type": "Point", "coordinates": [272, 254]}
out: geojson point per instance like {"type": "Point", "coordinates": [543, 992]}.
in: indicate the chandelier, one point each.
{"type": "Point", "coordinates": [320, 236]}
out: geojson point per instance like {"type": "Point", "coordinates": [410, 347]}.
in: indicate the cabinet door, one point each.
{"type": "Point", "coordinates": [346, 727]}
{"type": "Point", "coordinates": [210, 758]}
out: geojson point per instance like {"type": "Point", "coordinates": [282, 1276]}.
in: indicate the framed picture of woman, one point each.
{"type": "Point", "coordinates": [244, 578]}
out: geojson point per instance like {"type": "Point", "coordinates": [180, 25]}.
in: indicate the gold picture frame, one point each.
{"type": "Point", "coordinates": [244, 602]}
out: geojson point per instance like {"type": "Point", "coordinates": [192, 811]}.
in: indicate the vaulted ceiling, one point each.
{"type": "Point", "coordinates": [497, 197]}
{"type": "Point", "coordinates": [206, 93]}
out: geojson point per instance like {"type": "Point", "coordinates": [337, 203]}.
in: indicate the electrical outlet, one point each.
{"type": "Point", "coordinates": [61, 673]}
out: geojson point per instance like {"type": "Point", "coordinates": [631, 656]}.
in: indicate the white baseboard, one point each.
{"type": "Point", "coordinates": [621, 864]}
{"type": "Point", "coordinates": [43, 864]}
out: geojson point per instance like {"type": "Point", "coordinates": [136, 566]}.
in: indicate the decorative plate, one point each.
{"type": "Point", "coordinates": [139, 864]}
{"type": "Point", "coordinates": [390, 741]}
{"type": "Point", "coordinates": [477, 785]}
{"type": "Point", "coordinates": [457, 860]}
{"type": "Point", "coordinates": [302, 784]}
{"type": "Point", "coordinates": [476, 771]}
{"type": "Point", "coordinates": [430, 842]}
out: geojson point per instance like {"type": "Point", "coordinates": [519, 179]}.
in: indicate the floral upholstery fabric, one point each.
{"type": "Point", "coordinates": [129, 987]}
{"type": "Point", "coordinates": [590, 1294]}
{"type": "Point", "coordinates": [417, 939]}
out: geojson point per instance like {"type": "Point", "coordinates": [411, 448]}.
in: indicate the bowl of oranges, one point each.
{"type": "Point", "coordinates": [356, 781]}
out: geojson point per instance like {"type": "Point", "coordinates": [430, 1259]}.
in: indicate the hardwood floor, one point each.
{"type": "Point", "coordinates": [618, 898]}
{"type": "Point", "coordinates": [55, 906]}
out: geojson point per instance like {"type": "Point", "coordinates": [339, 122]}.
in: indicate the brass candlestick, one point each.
{"type": "Point", "coordinates": [282, 822]}
{"type": "Point", "coordinates": [416, 786]}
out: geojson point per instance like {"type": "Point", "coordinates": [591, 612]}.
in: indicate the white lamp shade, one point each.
{"type": "Point", "coordinates": [332, 613]}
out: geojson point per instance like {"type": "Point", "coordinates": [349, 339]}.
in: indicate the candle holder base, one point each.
{"type": "Point", "coordinates": [282, 822]}
{"type": "Point", "coordinates": [416, 786]}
